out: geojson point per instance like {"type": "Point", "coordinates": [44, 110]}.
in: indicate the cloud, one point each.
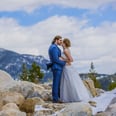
{"type": "Point", "coordinates": [89, 44]}
{"type": "Point", "coordinates": [31, 5]}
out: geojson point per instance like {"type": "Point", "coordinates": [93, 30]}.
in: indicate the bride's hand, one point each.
{"type": "Point", "coordinates": [68, 63]}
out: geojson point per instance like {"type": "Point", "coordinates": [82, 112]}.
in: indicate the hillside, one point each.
{"type": "Point", "coordinates": [11, 62]}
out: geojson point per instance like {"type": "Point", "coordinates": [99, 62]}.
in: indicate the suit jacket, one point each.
{"type": "Point", "coordinates": [54, 54]}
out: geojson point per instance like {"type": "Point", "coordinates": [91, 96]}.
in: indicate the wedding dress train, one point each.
{"type": "Point", "coordinates": [72, 88]}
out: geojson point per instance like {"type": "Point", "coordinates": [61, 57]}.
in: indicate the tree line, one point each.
{"type": "Point", "coordinates": [35, 75]}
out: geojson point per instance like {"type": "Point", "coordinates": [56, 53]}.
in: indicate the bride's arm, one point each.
{"type": "Point", "coordinates": [62, 58]}
{"type": "Point", "coordinates": [65, 59]}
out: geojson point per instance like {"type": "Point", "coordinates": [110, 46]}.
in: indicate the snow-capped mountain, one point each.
{"type": "Point", "coordinates": [11, 62]}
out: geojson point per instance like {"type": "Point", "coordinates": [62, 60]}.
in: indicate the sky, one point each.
{"type": "Point", "coordinates": [29, 26]}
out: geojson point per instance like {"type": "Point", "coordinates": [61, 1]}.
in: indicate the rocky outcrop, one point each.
{"type": "Point", "coordinates": [90, 86]}
{"type": "Point", "coordinates": [25, 98]}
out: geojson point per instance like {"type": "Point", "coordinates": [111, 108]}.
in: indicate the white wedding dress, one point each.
{"type": "Point", "coordinates": [72, 88]}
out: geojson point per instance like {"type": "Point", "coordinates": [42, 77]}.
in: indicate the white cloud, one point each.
{"type": "Point", "coordinates": [89, 44]}
{"type": "Point", "coordinates": [30, 5]}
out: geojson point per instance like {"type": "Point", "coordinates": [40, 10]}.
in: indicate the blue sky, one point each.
{"type": "Point", "coordinates": [29, 27]}
{"type": "Point", "coordinates": [28, 19]}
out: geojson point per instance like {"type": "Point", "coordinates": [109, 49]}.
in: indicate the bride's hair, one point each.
{"type": "Point", "coordinates": [67, 42]}
{"type": "Point", "coordinates": [56, 38]}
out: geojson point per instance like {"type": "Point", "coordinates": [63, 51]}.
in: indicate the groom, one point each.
{"type": "Point", "coordinates": [57, 66]}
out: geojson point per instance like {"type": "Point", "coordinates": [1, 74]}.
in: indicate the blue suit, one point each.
{"type": "Point", "coordinates": [57, 67]}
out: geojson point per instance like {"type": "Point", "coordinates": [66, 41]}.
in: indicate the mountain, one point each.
{"type": "Point", "coordinates": [11, 62]}
{"type": "Point", "coordinates": [104, 79]}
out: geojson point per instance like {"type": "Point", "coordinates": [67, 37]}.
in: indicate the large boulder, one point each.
{"type": "Point", "coordinates": [23, 87]}
{"type": "Point", "coordinates": [11, 97]}
{"type": "Point", "coordinates": [11, 109]}
{"type": "Point", "coordinates": [28, 105]}
{"type": "Point", "coordinates": [5, 80]}
{"type": "Point", "coordinates": [77, 109]}
{"type": "Point", "coordinates": [90, 86]}
{"type": "Point", "coordinates": [4, 76]}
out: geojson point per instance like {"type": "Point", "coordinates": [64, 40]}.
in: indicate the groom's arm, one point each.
{"type": "Point", "coordinates": [55, 57]}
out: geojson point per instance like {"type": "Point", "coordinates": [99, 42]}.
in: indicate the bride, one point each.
{"type": "Point", "coordinates": [72, 88]}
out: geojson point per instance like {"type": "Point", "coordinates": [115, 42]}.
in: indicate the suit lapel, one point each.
{"type": "Point", "coordinates": [58, 50]}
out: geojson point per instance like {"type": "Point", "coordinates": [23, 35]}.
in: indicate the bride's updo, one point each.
{"type": "Point", "coordinates": [67, 42]}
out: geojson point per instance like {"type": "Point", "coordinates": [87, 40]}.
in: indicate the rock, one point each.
{"type": "Point", "coordinates": [29, 104]}
{"type": "Point", "coordinates": [46, 95]}
{"type": "Point", "coordinates": [8, 84]}
{"type": "Point", "coordinates": [24, 96]}
{"type": "Point", "coordinates": [102, 114]}
{"type": "Point", "coordinates": [26, 88]}
{"type": "Point", "coordinates": [90, 86]}
{"type": "Point", "coordinates": [47, 86]}
{"type": "Point", "coordinates": [11, 109]}
{"type": "Point", "coordinates": [54, 106]}
{"type": "Point", "coordinates": [10, 106]}
{"type": "Point", "coordinates": [99, 91]}
{"type": "Point", "coordinates": [66, 109]}
{"type": "Point", "coordinates": [5, 76]}
{"type": "Point", "coordinates": [5, 80]}
{"type": "Point", "coordinates": [92, 103]}
{"type": "Point", "coordinates": [44, 113]}
{"type": "Point", "coordinates": [48, 109]}
{"type": "Point", "coordinates": [29, 114]}
{"type": "Point", "coordinates": [76, 109]}
{"type": "Point", "coordinates": [34, 94]}
{"type": "Point", "coordinates": [11, 97]}
{"type": "Point", "coordinates": [1, 104]}
{"type": "Point", "coordinates": [38, 87]}
{"type": "Point", "coordinates": [111, 110]}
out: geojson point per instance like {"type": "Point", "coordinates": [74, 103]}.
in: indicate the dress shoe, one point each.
{"type": "Point", "coordinates": [60, 101]}
{"type": "Point", "coordinates": [57, 101]}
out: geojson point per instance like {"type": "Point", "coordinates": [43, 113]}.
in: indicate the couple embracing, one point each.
{"type": "Point", "coordinates": [67, 84]}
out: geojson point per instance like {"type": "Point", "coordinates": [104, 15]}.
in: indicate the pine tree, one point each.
{"type": "Point", "coordinates": [92, 68]}
{"type": "Point", "coordinates": [92, 75]}
{"type": "Point", "coordinates": [112, 86]}
{"type": "Point", "coordinates": [33, 74]}
{"type": "Point", "coordinates": [25, 73]}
